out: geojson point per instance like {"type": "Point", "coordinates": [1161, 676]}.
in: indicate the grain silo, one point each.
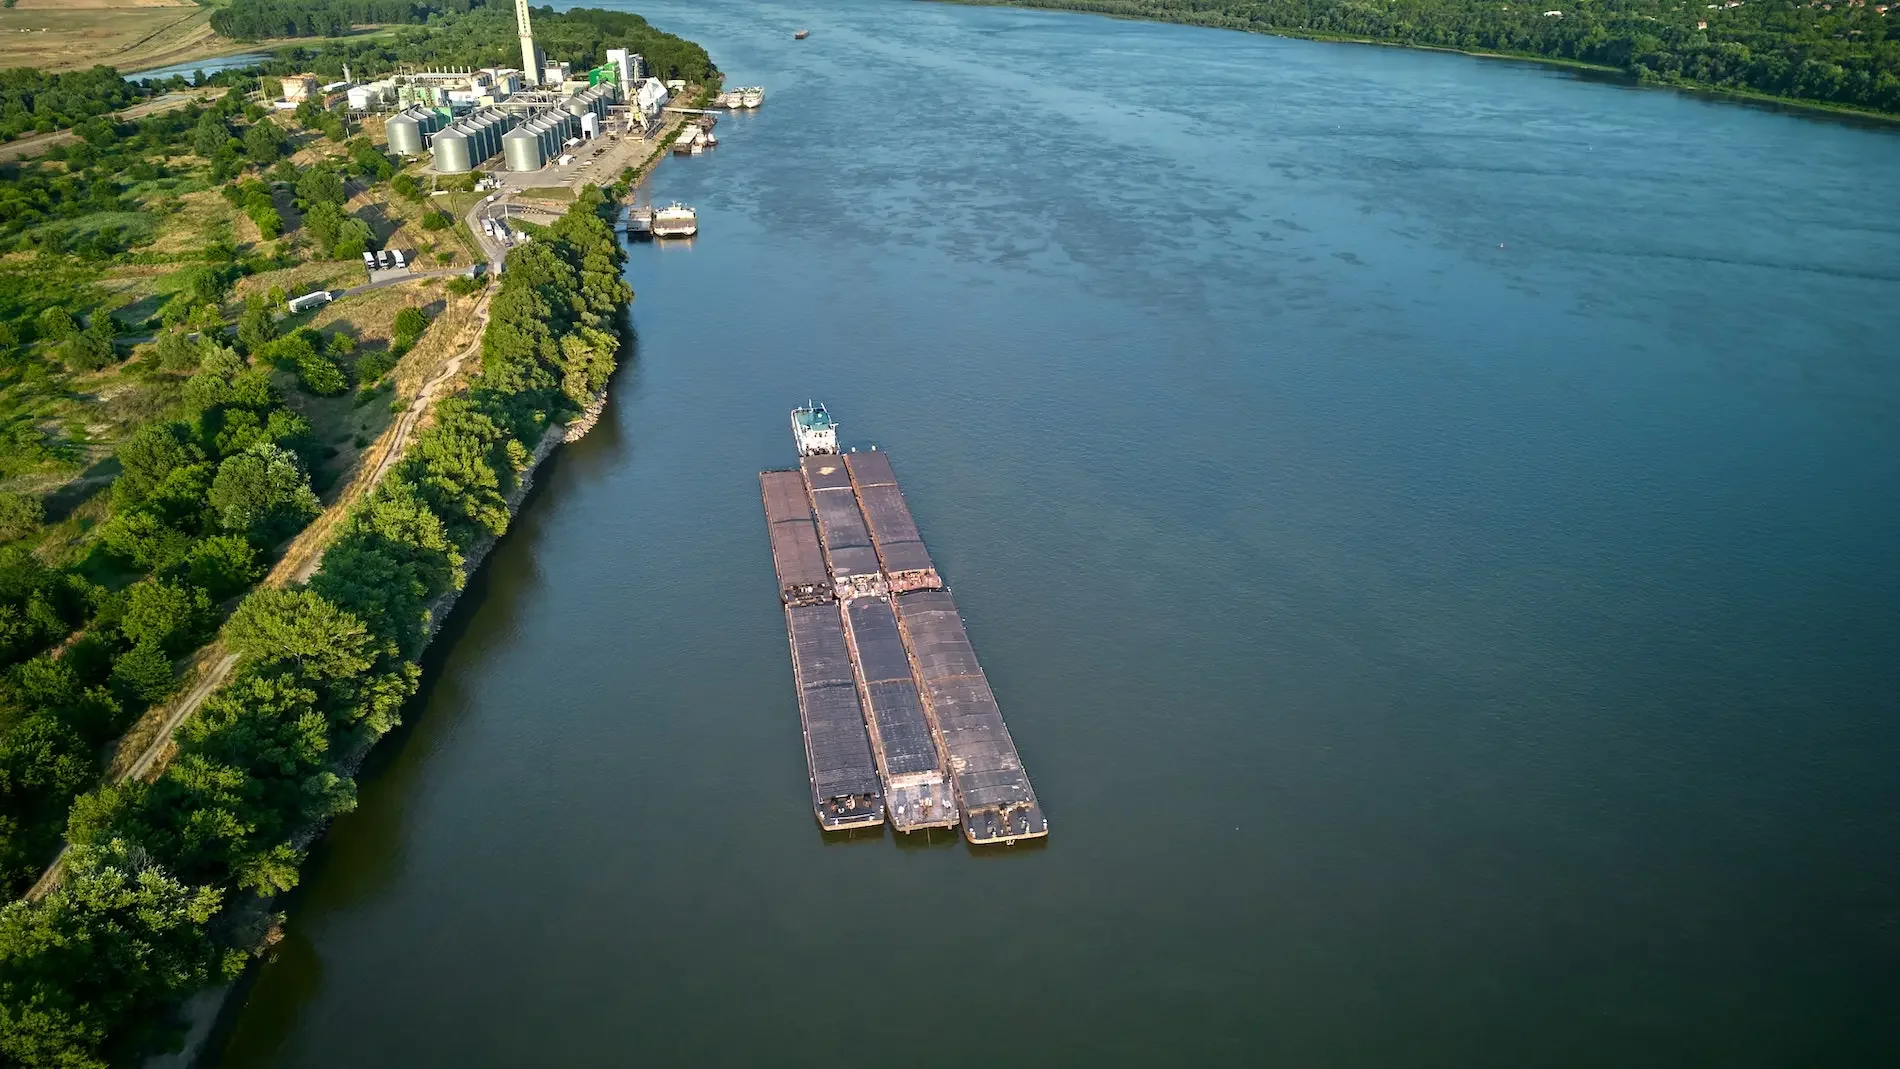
{"type": "Point", "coordinates": [593, 100]}
{"type": "Point", "coordinates": [405, 131]}
{"type": "Point", "coordinates": [452, 151]}
{"type": "Point", "coordinates": [521, 148]}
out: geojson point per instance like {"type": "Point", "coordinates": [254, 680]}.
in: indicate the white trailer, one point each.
{"type": "Point", "coordinates": [308, 301]}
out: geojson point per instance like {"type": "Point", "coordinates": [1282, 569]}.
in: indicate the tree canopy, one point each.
{"type": "Point", "coordinates": [1834, 53]}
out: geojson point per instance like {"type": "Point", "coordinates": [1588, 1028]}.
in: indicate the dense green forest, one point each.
{"type": "Point", "coordinates": [1842, 53]}
{"type": "Point", "coordinates": [168, 882]}
{"type": "Point", "coordinates": [250, 20]}
{"type": "Point", "coordinates": [486, 37]}
{"type": "Point", "coordinates": [205, 488]}
{"type": "Point", "coordinates": [31, 100]}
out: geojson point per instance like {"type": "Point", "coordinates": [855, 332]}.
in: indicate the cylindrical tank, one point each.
{"type": "Point", "coordinates": [405, 135]}
{"type": "Point", "coordinates": [521, 150]}
{"type": "Point", "coordinates": [452, 152]}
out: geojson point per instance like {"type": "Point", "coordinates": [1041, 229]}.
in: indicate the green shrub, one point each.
{"type": "Point", "coordinates": [372, 366]}
{"type": "Point", "coordinates": [144, 673]}
{"type": "Point", "coordinates": [319, 376]}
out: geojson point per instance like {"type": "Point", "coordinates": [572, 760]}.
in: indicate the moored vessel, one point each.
{"type": "Point", "coordinates": [676, 220]}
{"type": "Point", "coordinates": [754, 96]}
{"type": "Point", "coordinates": [814, 430]}
{"type": "Point", "coordinates": [640, 224]}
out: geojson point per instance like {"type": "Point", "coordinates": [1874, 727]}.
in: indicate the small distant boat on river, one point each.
{"type": "Point", "coordinates": [676, 220]}
{"type": "Point", "coordinates": [801, 35]}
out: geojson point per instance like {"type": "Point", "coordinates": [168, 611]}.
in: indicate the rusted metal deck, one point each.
{"type": "Point", "coordinates": [993, 791]}
{"type": "Point", "coordinates": [994, 797]}
{"type": "Point", "coordinates": [900, 549]}
{"type": "Point", "coordinates": [855, 571]}
{"type": "Point", "coordinates": [845, 790]}
{"type": "Point", "coordinates": [890, 689]}
{"type": "Point", "coordinates": [917, 787]}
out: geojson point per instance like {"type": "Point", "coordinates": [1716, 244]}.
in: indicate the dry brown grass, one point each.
{"type": "Point", "coordinates": [452, 331]}
{"type": "Point", "coordinates": [59, 35]}
{"type": "Point", "coordinates": [201, 219]}
{"type": "Point", "coordinates": [370, 317]}
{"type": "Point", "coordinates": [301, 279]}
{"type": "Point", "coordinates": [350, 427]}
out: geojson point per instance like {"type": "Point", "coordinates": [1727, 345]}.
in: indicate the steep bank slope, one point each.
{"type": "Point", "coordinates": [168, 882]}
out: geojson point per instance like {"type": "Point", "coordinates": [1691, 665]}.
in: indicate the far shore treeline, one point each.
{"type": "Point", "coordinates": [252, 20]}
{"type": "Point", "coordinates": [1825, 51]}
{"type": "Point", "coordinates": [168, 884]}
{"type": "Point", "coordinates": [483, 36]}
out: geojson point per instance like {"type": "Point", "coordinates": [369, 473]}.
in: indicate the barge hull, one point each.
{"type": "Point", "coordinates": [994, 795]}
{"type": "Point", "coordinates": [855, 570]}
{"type": "Point", "coordinates": [845, 789]}
{"type": "Point", "coordinates": [844, 782]}
{"type": "Point", "coordinates": [994, 798]}
{"type": "Point", "coordinates": [917, 790]}
{"type": "Point", "coordinates": [900, 549]}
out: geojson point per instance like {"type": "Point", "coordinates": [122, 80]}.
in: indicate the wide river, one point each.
{"type": "Point", "coordinates": [1431, 523]}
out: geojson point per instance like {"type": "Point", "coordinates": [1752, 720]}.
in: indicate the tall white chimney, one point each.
{"type": "Point", "coordinates": [530, 55]}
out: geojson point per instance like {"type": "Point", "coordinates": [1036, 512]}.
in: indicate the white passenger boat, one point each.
{"type": "Point", "coordinates": [676, 220]}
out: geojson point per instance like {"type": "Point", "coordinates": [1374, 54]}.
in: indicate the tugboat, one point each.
{"type": "Point", "coordinates": [814, 430]}
{"type": "Point", "coordinates": [676, 220]}
{"type": "Point", "coordinates": [801, 35]}
{"type": "Point", "coordinates": [640, 224]}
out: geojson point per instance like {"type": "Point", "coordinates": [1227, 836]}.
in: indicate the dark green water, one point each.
{"type": "Point", "coordinates": [1431, 524]}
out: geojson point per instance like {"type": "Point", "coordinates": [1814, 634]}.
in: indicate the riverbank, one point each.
{"type": "Point", "coordinates": [210, 1014]}
{"type": "Point", "coordinates": [286, 731]}
{"type": "Point", "coordinates": [1216, 21]}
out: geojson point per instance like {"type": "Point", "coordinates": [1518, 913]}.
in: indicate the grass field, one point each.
{"type": "Point", "coordinates": [57, 35]}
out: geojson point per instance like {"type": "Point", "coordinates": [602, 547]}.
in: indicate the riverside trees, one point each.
{"type": "Point", "coordinates": [1836, 53]}
{"type": "Point", "coordinates": [323, 671]}
{"type": "Point", "coordinates": [197, 502]}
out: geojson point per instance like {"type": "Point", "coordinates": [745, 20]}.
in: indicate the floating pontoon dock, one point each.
{"type": "Point", "coordinates": [844, 783]}
{"type": "Point", "coordinates": [935, 732]}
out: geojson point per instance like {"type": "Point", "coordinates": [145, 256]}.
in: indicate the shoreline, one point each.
{"type": "Point", "coordinates": [210, 1014]}
{"type": "Point", "coordinates": [1799, 104]}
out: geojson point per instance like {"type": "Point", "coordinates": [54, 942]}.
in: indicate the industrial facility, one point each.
{"type": "Point", "coordinates": [464, 118]}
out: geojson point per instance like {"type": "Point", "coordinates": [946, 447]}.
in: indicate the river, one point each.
{"type": "Point", "coordinates": [191, 69]}
{"type": "Point", "coordinates": [1431, 523]}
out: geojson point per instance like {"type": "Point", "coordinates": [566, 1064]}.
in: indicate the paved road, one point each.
{"type": "Point", "coordinates": [384, 283]}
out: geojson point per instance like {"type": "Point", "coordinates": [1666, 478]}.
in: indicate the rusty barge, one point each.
{"type": "Point", "coordinates": [856, 580]}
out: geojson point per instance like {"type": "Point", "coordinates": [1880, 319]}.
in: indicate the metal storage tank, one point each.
{"type": "Point", "coordinates": [452, 152]}
{"type": "Point", "coordinates": [521, 150]}
{"type": "Point", "coordinates": [405, 134]}
{"type": "Point", "coordinates": [477, 133]}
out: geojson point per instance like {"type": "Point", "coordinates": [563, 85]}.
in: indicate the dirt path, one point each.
{"type": "Point", "coordinates": [144, 750]}
{"type": "Point", "coordinates": [35, 144]}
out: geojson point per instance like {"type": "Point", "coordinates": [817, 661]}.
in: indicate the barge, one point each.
{"type": "Point", "coordinates": [935, 733]}
{"type": "Point", "coordinates": [845, 791]}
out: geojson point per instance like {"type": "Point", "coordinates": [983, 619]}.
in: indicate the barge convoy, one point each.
{"type": "Point", "coordinates": [900, 723]}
